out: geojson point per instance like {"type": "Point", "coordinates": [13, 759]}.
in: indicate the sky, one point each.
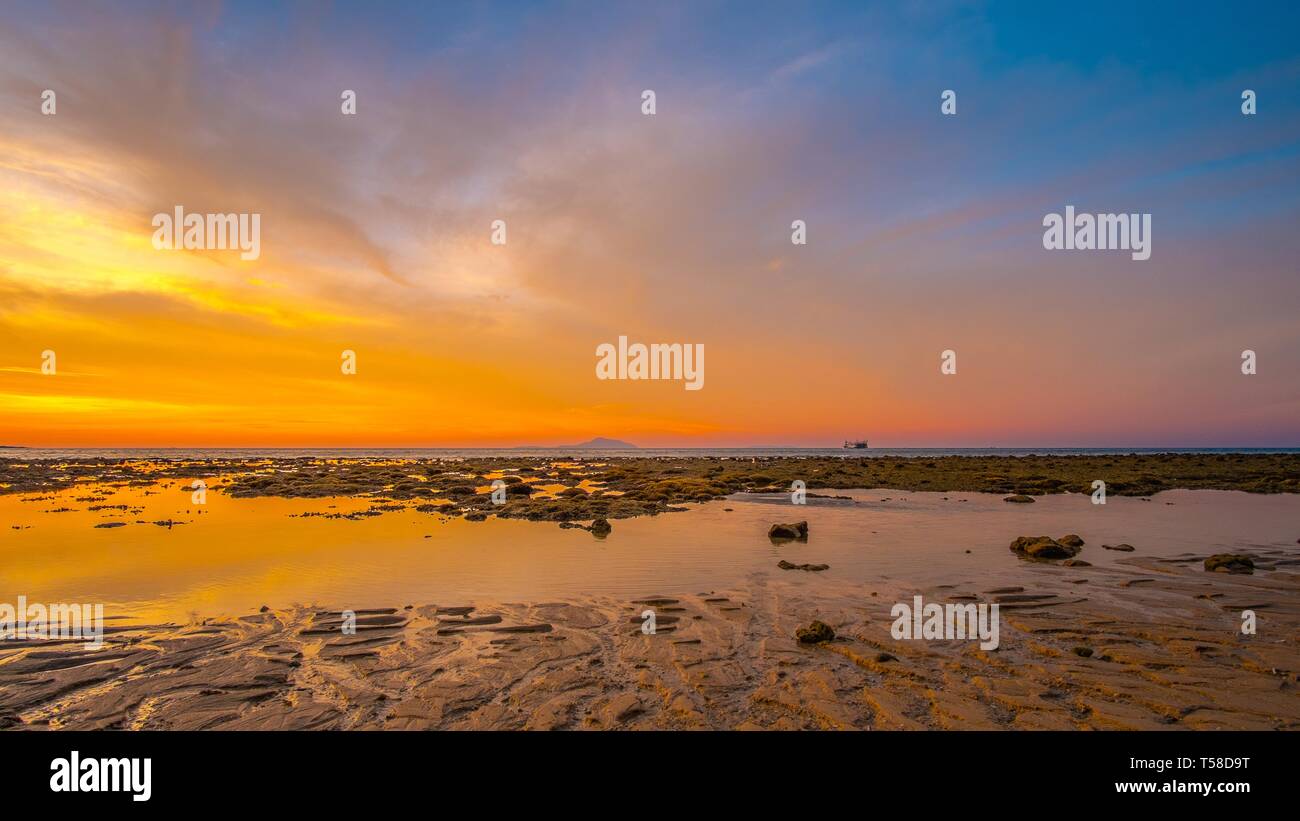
{"type": "Point", "coordinates": [924, 231]}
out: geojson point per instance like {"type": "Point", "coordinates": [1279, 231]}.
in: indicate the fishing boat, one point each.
{"type": "Point", "coordinates": [857, 444]}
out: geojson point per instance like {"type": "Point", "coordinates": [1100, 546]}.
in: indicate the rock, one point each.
{"type": "Point", "coordinates": [1085, 652]}
{"type": "Point", "coordinates": [796, 530]}
{"type": "Point", "coordinates": [1042, 547]}
{"type": "Point", "coordinates": [884, 657]}
{"type": "Point", "coordinates": [476, 516]}
{"type": "Point", "coordinates": [264, 609]}
{"type": "Point", "coordinates": [1076, 563]}
{"type": "Point", "coordinates": [1071, 540]}
{"type": "Point", "coordinates": [1019, 498]}
{"type": "Point", "coordinates": [816, 633]}
{"type": "Point", "coordinates": [1230, 563]}
{"type": "Point", "coordinates": [1123, 548]}
{"type": "Point", "coordinates": [601, 527]}
{"type": "Point", "coordinates": [784, 565]}
{"type": "Point", "coordinates": [624, 707]}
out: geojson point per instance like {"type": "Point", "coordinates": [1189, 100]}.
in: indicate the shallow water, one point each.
{"type": "Point", "coordinates": [23, 453]}
{"type": "Point", "coordinates": [239, 554]}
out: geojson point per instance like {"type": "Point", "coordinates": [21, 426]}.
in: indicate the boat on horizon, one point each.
{"type": "Point", "coordinates": [857, 444]}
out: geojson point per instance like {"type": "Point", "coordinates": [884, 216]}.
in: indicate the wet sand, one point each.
{"type": "Point", "coordinates": [1166, 653]}
{"type": "Point", "coordinates": [515, 624]}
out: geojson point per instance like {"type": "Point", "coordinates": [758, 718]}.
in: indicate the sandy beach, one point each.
{"type": "Point", "coordinates": [229, 614]}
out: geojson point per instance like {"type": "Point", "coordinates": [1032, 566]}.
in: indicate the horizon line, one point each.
{"type": "Point", "coordinates": [651, 447]}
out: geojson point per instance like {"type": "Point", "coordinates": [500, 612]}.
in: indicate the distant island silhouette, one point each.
{"type": "Point", "coordinates": [602, 442]}
{"type": "Point", "coordinates": [599, 443]}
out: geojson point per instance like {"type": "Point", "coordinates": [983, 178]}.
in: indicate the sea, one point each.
{"type": "Point", "coordinates": [188, 454]}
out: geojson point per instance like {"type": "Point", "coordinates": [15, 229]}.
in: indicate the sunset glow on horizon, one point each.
{"type": "Point", "coordinates": [924, 231]}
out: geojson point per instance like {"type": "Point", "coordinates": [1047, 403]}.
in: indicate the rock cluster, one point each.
{"type": "Point", "coordinates": [1045, 547]}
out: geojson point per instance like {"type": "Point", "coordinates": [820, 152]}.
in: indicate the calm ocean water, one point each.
{"type": "Point", "coordinates": [463, 453]}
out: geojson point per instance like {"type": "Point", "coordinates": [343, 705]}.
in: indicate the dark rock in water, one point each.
{"type": "Point", "coordinates": [1019, 498]}
{"type": "Point", "coordinates": [1230, 563]}
{"type": "Point", "coordinates": [476, 516]}
{"type": "Point", "coordinates": [601, 527]}
{"type": "Point", "coordinates": [784, 565]}
{"type": "Point", "coordinates": [815, 633]}
{"type": "Point", "coordinates": [1123, 548]}
{"type": "Point", "coordinates": [264, 609]}
{"type": "Point", "coordinates": [111, 524]}
{"type": "Point", "coordinates": [1076, 563]}
{"type": "Point", "coordinates": [1042, 547]}
{"type": "Point", "coordinates": [796, 530]}
{"type": "Point", "coordinates": [1085, 652]}
{"type": "Point", "coordinates": [1071, 540]}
